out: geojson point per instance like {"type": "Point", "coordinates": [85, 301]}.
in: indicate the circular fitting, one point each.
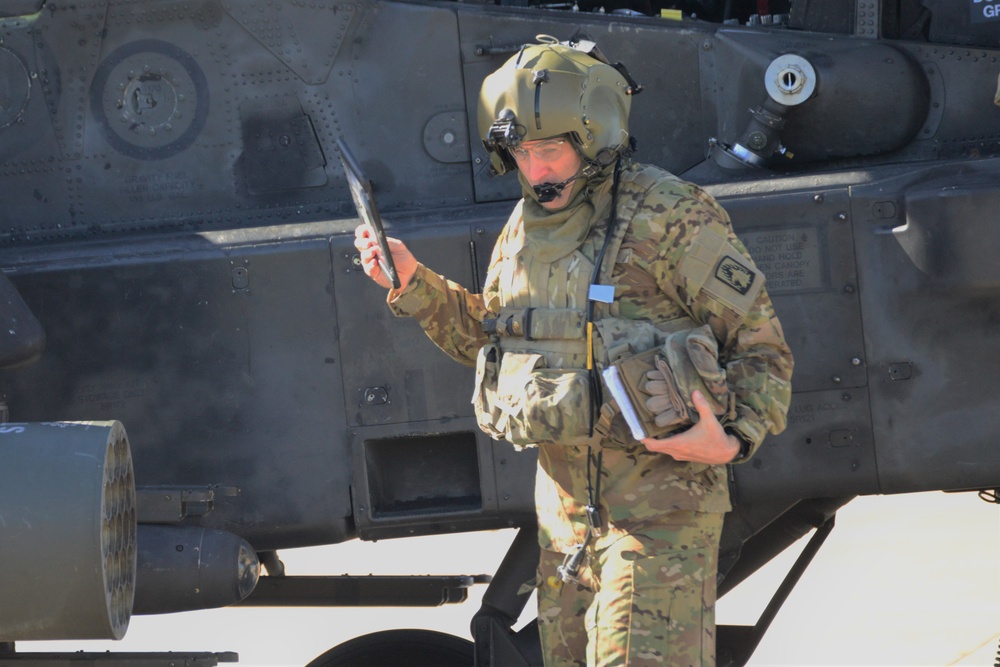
{"type": "Point", "coordinates": [756, 141]}
{"type": "Point", "coordinates": [790, 80]}
{"type": "Point", "coordinates": [151, 99]}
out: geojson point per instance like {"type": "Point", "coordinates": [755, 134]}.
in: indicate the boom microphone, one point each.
{"type": "Point", "coordinates": [547, 192]}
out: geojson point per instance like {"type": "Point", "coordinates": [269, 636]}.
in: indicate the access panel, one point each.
{"type": "Point", "coordinates": [218, 353]}
{"type": "Point", "coordinates": [801, 238]}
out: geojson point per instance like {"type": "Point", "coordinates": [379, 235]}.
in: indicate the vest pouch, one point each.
{"type": "Point", "coordinates": [484, 396]}
{"type": "Point", "coordinates": [658, 383]}
{"type": "Point", "coordinates": [542, 404]}
{"type": "Point", "coordinates": [655, 418]}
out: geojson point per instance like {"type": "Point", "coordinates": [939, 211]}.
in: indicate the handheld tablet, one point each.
{"type": "Point", "coordinates": [364, 200]}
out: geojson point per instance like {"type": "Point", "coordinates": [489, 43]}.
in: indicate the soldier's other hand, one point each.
{"type": "Point", "coordinates": [367, 246]}
{"type": "Point", "coordinates": [705, 442]}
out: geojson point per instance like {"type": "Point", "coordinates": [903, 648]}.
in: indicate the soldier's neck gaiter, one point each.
{"type": "Point", "coordinates": [551, 235]}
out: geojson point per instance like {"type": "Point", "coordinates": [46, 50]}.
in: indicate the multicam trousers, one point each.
{"type": "Point", "coordinates": [646, 600]}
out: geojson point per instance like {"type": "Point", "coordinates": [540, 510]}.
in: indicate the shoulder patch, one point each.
{"type": "Point", "coordinates": [716, 271]}
{"type": "Point", "coordinates": [730, 271]}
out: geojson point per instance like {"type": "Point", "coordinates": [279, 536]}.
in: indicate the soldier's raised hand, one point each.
{"type": "Point", "coordinates": [367, 246]}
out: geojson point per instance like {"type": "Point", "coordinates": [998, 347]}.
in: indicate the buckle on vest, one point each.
{"type": "Point", "coordinates": [511, 324]}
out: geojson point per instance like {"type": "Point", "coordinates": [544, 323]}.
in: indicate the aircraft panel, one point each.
{"type": "Point", "coordinates": [221, 359]}
{"type": "Point", "coordinates": [826, 451]}
{"type": "Point", "coordinates": [927, 257]}
{"type": "Point", "coordinates": [405, 85]}
{"type": "Point", "coordinates": [804, 244]}
{"type": "Point", "coordinates": [395, 374]}
{"type": "Point", "coordinates": [802, 239]}
{"type": "Point", "coordinates": [207, 115]}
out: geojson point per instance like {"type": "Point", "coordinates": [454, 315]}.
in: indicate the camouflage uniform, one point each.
{"type": "Point", "coordinates": [648, 595]}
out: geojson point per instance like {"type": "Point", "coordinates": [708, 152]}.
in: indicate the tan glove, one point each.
{"type": "Point", "coordinates": [688, 361]}
{"type": "Point", "coordinates": [664, 401]}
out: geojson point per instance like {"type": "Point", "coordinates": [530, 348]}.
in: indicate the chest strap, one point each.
{"type": "Point", "coordinates": [538, 324]}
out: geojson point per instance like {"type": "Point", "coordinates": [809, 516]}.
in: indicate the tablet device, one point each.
{"type": "Point", "coordinates": [364, 200]}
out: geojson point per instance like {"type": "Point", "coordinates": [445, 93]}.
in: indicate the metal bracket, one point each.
{"type": "Point", "coordinates": [867, 19]}
{"type": "Point", "coordinates": [172, 504]}
{"type": "Point", "coordinates": [743, 640]}
{"type": "Point", "coordinates": [362, 591]}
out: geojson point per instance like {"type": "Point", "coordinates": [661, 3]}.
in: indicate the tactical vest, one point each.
{"type": "Point", "coordinates": [535, 380]}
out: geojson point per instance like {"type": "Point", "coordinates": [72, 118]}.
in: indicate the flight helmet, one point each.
{"type": "Point", "coordinates": [551, 89]}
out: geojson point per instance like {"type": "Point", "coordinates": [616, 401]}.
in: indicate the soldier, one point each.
{"type": "Point", "coordinates": [609, 263]}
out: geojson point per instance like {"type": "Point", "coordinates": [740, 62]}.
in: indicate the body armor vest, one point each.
{"type": "Point", "coordinates": [534, 382]}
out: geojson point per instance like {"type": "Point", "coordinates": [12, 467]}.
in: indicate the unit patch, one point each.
{"type": "Point", "coordinates": [732, 272]}
{"type": "Point", "coordinates": [716, 271]}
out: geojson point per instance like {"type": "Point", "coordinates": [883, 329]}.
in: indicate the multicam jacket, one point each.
{"type": "Point", "coordinates": [657, 279]}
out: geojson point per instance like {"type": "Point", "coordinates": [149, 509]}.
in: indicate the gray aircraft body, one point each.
{"type": "Point", "coordinates": [197, 373]}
